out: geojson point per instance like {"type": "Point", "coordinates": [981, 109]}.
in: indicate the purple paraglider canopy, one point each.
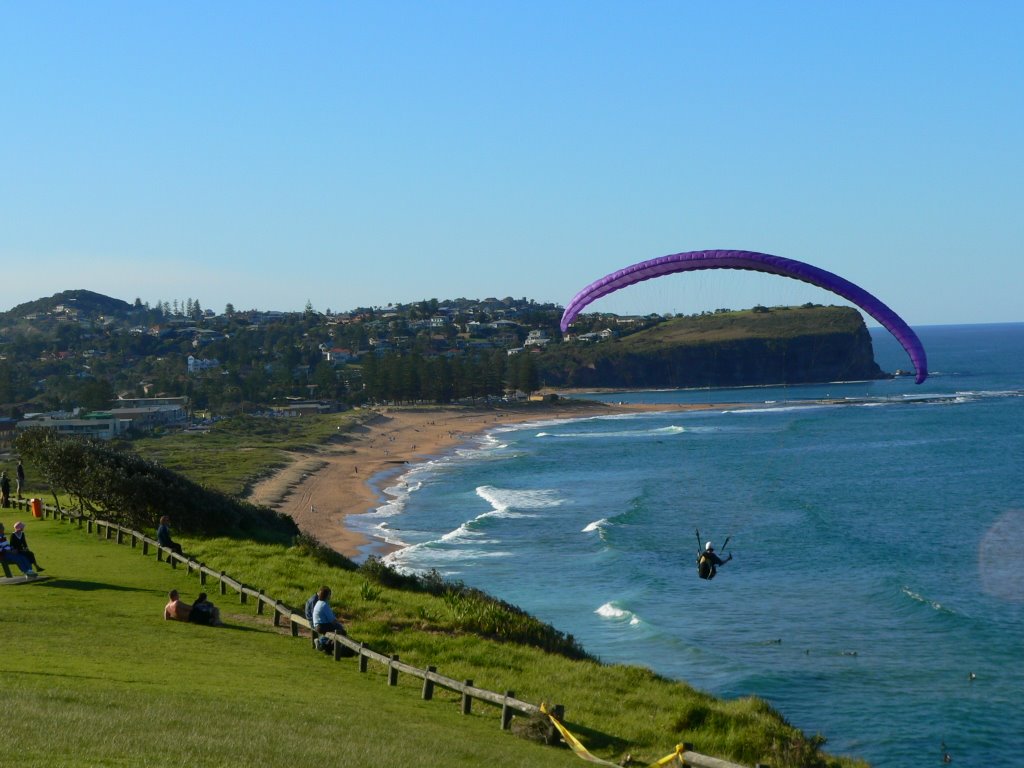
{"type": "Point", "coordinates": [757, 262]}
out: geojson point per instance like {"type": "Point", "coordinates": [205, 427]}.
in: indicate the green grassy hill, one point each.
{"type": "Point", "coordinates": [776, 323]}
{"type": "Point", "coordinates": [781, 345]}
{"type": "Point", "coordinates": [95, 677]}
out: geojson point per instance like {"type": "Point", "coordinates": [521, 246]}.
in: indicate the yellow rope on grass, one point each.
{"type": "Point", "coordinates": [582, 752]}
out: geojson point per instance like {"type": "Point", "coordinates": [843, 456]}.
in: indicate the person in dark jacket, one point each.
{"type": "Point", "coordinates": [20, 476]}
{"type": "Point", "coordinates": [163, 536]}
{"type": "Point", "coordinates": [708, 562]}
{"type": "Point", "coordinates": [19, 544]}
{"type": "Point", "coordinates": [5, 490]}
{"type": "Point", "coordinates": [205, 612]}
{"type": "Point", "coordinates": [8, 554]}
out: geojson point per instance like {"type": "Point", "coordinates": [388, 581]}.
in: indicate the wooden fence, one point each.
{"type": "Point", "coordinates": [296, 620]}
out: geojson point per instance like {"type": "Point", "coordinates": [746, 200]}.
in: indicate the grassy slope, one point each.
{"type": "Point", "coordinates": [100, 679]}
{"type": "Point", "coordinates": [779, 323]}
{"type": "Point", "coordinates": [95, 677]}
{"type": "Point", "coordinates": [237, 452]}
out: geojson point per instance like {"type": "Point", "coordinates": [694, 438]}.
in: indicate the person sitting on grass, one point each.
{"type": "Point", "coordinates": [176, 609]}
{"type": "Point", "coordinates": [19, 544]}
{"type": "Point", "coordinates": [205, 612]}
{"type": "Point", "coordinates": [8, 554]}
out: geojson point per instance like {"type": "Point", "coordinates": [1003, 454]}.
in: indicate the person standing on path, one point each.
{"type": "Point", "coordinates": [20, 477]}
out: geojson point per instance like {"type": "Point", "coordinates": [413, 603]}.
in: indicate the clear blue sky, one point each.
{"type": "Point", "coordinates": [359, 154]}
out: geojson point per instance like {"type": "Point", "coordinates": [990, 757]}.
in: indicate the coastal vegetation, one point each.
{"type": "Point", "coordinates": [120, 485]}
{"type": "Point", "coordinates": [79, 351]}
{"type": "Point", "coordinates": [85, 359]}
{"type": "Point", "coordinates": [231, 454]}
{"type": "Point", "coordinates": [426, 620]}
{"type": "Point", "coordinates": [779, 345]}
{"type": "Point", "coordinates": [130, 687]}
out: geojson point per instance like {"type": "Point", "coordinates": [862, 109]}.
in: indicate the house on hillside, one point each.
{"type": "Point", "coordinates": [195, 365]}
{"type": "Point", "coordinates": [536, 338]}
{"type": "Point", "coordinates": [336, 355]}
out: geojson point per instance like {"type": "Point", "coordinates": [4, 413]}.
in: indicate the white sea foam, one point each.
{"type": "Point", "coordinates": [597, 525]}
{"type": "Point", "coordinates": [509, 502]}
{"type": "Point", "coordinates": [463, 533]}
{"type": "Point", "coordinates": [387, 534]}
{"type": "Point", "coordinates": [780, 409]}
{"type": "Point", "coordinates": [427, 555]}
{"type": "Point", "coordinates": [615, 613]}
{"type": "Point", "coordinates": [934, 604]}
{"type": "Point", "coordinates": [617, 434]}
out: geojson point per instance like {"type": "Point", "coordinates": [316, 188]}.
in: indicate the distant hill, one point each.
{"type": "Point", "coordinates": [87, 303]}
{"type": "Point", "coordinates": [782, 345]}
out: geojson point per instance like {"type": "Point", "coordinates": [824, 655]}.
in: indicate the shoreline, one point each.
{"type": "Point", "coordinates": [321, 492]}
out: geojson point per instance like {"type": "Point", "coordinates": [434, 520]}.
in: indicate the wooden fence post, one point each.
{"type": "Point", "coordinates": [159, 553]}
{"type": "Point", "coordinates": [467, 700]}
{"type": "Point", "coordinates": [428, 685]}
{"type": "Point", "coordinates": [259, 604]}
{"type": "Point", "coordinates": [120, 535]}
{"type": "Point", "coordinates": [202, 574]}
{"type": "Point", "coordinates": [363, 660]}
{"type": "Point", "coordinates": [223, 586]}
{"type": "Point", "coordinates": [135, 540]}
{"type": "Point", "coordinates": [242, 597]}
{"type": "Point", "coordinates": [506, 711]}
{"type": "Point", "coordinates": [145, 547]}
{"type": "Point", "coordinates": [393, 670]}
{"type": "Point", "coordinates": [89, 526]}
{"type": "Point", "coordinates": [277, 614]}
{"type": "Point", "coordinates": [295, 628]}
{"type": "Point", "coordinates": [110, 533]}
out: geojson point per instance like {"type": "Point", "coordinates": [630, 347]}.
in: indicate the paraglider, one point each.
{"type": "Point", "coordinates": [757, 262]}
{"type": "Point", "coordinates": [708, 561]}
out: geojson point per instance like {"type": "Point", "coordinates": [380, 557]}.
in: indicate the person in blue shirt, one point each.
{"type": "Point", "coordinates": [324, 619]}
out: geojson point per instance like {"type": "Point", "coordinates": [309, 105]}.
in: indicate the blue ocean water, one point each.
{"type": "Point", "coordinates": [876, 595]}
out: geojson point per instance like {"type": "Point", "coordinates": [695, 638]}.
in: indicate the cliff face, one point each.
{"type": "Point", "coordinates": [831, 344]}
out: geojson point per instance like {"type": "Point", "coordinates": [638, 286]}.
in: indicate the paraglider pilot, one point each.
{"type": "Point", "coordinates": [708, 562]}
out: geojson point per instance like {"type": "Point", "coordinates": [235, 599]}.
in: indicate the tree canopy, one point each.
{"type": "Point", "coordinates": [124, 488]}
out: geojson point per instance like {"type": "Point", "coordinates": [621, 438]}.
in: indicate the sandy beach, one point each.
{"type": "Point", "coordinates": [320, 491]}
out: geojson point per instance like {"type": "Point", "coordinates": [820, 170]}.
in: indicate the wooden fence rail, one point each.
{"type": "Point", "coordinates": [296, 620]}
